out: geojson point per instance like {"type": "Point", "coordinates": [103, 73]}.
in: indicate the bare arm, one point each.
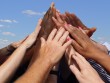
{"type": "Point", "coordinates": [9, 67]}
{"type": "Point", "coordinates": [50, 53]}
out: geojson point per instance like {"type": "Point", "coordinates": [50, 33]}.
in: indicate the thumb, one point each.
{"type": "Point", "coordinates": [91, 31]}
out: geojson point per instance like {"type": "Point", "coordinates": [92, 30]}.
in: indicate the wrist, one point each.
{"type": "Point", "coordinates": [45, 62]}
{"type": "Point", "coordinates": [103, 57]}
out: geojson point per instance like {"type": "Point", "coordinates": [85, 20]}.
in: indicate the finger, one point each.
{"type": "Point", "coordinates": [52, 34]}
{"type": "Point", "coordinates": [68, 54]}
{"type": "Point", "coordinates": [83, 59]}
{"type": "Point", "coordinates": [78, 61]}
{"type": "Point", "coordinates": [64, 37]}
{"type": "Point", "coordinates": [75, 70]}
{"type": "Point", "coordinates": [82, 30]}
{"type": "Point", "coordinates": [92, 30]}
{"type": "Point", "coordinates": [76, 46]}
{"type": "Point", "coordinates": [59, 18]}
{"type": "Point", "coordinates": [59, 34]}
{"type": "Point", "coordinates": [38, 27]}
{"type": "Point", "coordinates": [77, 35]}
{"type": "Point", "coordinates": [74, 32]}
{"type": "Point", "coordinates": [42, 41]}
{"type": "Point", "coordinates": [56, 22]}
{"type": "Point", "coordinates": [24, 39]}
{"type": "Point", "coordinates": [68, 43]}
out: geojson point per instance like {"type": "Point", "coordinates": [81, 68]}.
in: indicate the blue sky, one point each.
{"type": "Point", "coordinates": [18, 18]}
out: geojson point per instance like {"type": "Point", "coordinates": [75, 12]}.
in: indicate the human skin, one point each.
{"type": "Point", "coordinates": [84, 45]}
{"type": "Point", "coordinates": [8, 68]}
{"type": "Point", "coordinates": [62, 19]}
{"type": "Point", "coordinates": [82, 69]}
{"type": "Point", "coordinates": [50, 53]}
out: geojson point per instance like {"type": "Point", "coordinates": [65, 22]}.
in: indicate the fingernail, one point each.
{"type": "Point", "coordinates": [79, 27]}
{"type": "Point", "coordinates": [68, 38]}
{"type": "Point", "coordinates": [70, 25]}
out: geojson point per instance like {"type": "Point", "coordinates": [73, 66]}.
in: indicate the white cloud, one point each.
{"type": "Point", "coordinates": [8, 21]}
{"type": "Point", "coordinates": [102, 39]}
{"type": "Point", "coordinates": [31, 12]}
{"type": "Point", "coordinates": [4, 42]}
{"type": "Point", "coordinates": [1, 26]}
{"type": "Point", "coordinates": [8, 34]}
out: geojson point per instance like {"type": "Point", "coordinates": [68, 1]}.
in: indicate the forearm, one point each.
{"type": "Point", "coordinates": [104, 60]}
{"type": "Point", "coordinates": [101, 47]}
{"type": "Point", "coordinates": [12, 63]}
{"type": "Point", "coordinates": [36, 73]}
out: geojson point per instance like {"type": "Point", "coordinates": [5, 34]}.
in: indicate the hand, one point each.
{"type": "Point", "coordinates": [58, 20]}
{"type": "Point", "coordinates": [84, 72]}
{"type": "Point", "coordinates": [98, 45]}
{"type": "Point", "coordinates": [83, 44]}
{"type": "Point", "coordinates": [55, 46]}
{"type": "Point", "coordinates": [72, 19]}
{"type": "Point", "coordinates": [17, 44]}
{"type": "Point", "coordinates": [76, 22]}
{"type": "Point", "coordinates": [29, 41]}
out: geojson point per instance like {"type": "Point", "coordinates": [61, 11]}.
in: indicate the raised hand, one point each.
{"type": "Point", "coordinates": [85, 46]}
{"type": "Point", "coordinates": [29, 41]}
{"type": "Point", "coordinates": [54, 47]}
{"type": "Point", "coordinates": [84, 71]}
{"type": "Point", "coordinates": [82, 43]}
{"type": "Point", "coordinates": [76, 22]}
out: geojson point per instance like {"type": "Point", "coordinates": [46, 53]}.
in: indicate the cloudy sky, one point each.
{"type": "Point", "coordinates": [18, 18]}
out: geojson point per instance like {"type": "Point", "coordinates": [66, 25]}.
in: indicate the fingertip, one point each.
{"type": "Point", "coordinates": [53, 17]}
{"type": "Point", "coordinates": [55, 29]}
{"type": "Point", "coordinates": [71, 67]}
{"type": "Point", "coordinates": [39, 21]}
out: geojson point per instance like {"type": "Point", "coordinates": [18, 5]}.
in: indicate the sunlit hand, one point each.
{"type": "Point", "coordinates": [17, 44]}
{"type": "Point", "coordinates": [55, 46]}
{"type": "Point", "coordinates": [29, 41]}
{"type": "Point", "coordinates": [84, 72]}
{"type": "Point", "coordinates": [83, 44]}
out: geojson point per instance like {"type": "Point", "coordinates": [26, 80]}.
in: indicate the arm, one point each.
{"type": "Point", "coordinates": [8, 50]}
{"type": "Point", "coordinates": [10, 66]}
{"type": "Point", "coordinates": [50, 53]}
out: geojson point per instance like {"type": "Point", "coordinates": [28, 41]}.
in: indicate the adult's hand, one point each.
{"type": "Point", "coordinates": [84, 72]}
{"type": "Point", "coordinates": [76, 22]}
{"type": "Point", "coordinates": [84, 45]}
{"type": "Point", "coordinates": [54, 47]}
{"type": "Point", "coordinates": [72, 19]}
{"type": "Point", "coordinates": [50, 53]}
{"type": "Point", "coordinates": [29, 41]}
